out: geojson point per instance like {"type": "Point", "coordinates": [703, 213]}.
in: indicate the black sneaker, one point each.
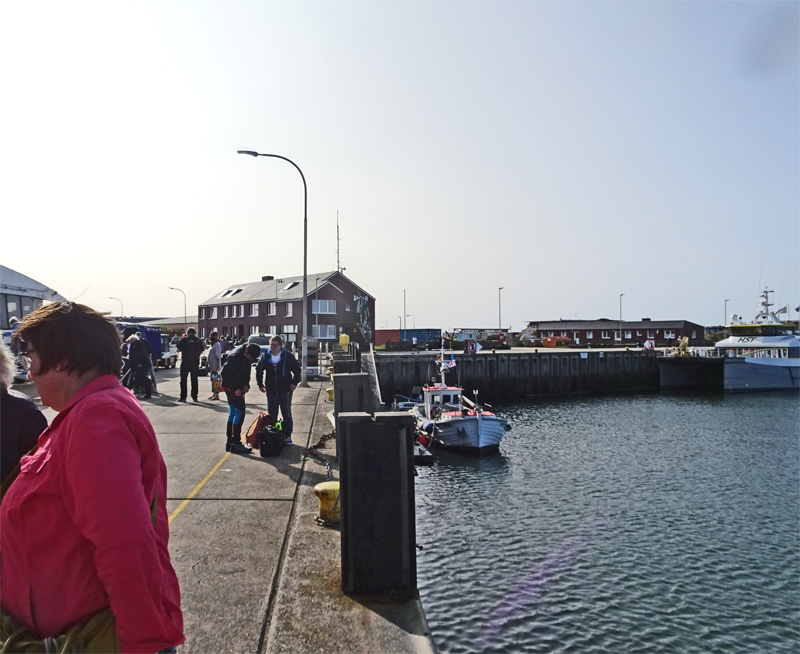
{"type": "Point", "coordinates": [238, 448]}
{"type": "Point", "coordinates": [181, 399]}
{"type": "Point", "coordinates": [228, 446]}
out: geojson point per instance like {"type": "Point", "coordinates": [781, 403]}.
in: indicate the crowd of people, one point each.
{"type": "Point", "coordinates": [83, 506]}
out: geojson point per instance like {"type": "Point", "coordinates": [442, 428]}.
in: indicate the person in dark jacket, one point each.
{"type": "Point", "coordinates": [235, 381]}
{"type": "Point", "coordinates": [22, 422]}
{"type": "Point", "coordinates": [191, 349]}
{"type": "Point", "coordinates": [139, 358]}
{"type": "Point", "coordinates": [277, 374]}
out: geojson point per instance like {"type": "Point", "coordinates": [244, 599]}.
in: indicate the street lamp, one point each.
{"type": "Point", "coordinates": [620, 317]}
{"type": "Point", "coordinates": [499, 309]}
{"type": "Point", "coordinates": [725, 317]}
{"type": "Point", "coordinates": [172, 288]}
{"type": "Point", "coordinates": [408, 315]}
{"type": "Point", "coordinates": [122, 310]}
{"type": "Point", "coordinates": [304, 381]}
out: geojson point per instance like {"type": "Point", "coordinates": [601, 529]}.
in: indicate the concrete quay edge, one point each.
{"type": "Point", "coordinates": [309, 611]}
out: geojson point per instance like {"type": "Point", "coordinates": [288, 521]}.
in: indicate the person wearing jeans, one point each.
{"type": "Point", "coordinates": [277, 375]}
{"type": "Point", "coordinates": [236, 382]}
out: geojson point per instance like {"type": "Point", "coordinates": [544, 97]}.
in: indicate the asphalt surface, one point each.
{"type": "Point", "coordinates": [257, 573]}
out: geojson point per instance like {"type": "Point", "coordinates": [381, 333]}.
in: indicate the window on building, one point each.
{"type": "Point", "coordinates": [669, 333]}
{"type": "Point", "coordinates": [564, 334]}
{"type": "Point", "coordinates": [202, 313]}
{"type": "Point", "coordinates": [254, 311]}
{"type": "Point", "coordinates": [590, 334]}
{"type": "Point", "coordinates": [694, 334]}
{"type": "Point", "coordinates": [254, 330]}
{"type": "Point", "coordinates": [628, 333]}
{"type": "Point", "coordinates": [605, 334]}
{"type": "Point", "coordinates": [225, 311]}
{"type": "Point", "coordinates": [272, 308]}
{"type": "Point", "coordinates": [289, 309]}
{"type": "Point", "coordinates": [323, 331]}
{"type": "Point", "coordinates": [651, 333]}
{"type": "Point", "coordinates": [241, 311]}
{"type": "Point", "coordinates": [202, 332]}
{"type": "Point", "coordinates": [323, 306]}
{"type": "Point", "coordinates": [289, 286]}
{"type": "Point", "coordinates": [213, 313]}
{"type": "Point", "coordinates": [347, 307]}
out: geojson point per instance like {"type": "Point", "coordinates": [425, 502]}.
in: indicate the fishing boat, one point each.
{"type": "Point", "coordinates": [447, 418]}
{"type": "Point", "coordinates": [763, 354]}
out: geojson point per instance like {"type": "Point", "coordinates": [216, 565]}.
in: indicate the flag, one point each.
{"type": "Point", "coordinates": [783, 309]}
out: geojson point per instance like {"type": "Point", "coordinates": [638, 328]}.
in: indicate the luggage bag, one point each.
{"type": "Point", "coordinates": [270, 441]}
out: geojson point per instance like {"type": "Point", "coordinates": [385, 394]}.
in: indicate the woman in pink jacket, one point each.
{"type": "Point", "coordinates": [84, 525]}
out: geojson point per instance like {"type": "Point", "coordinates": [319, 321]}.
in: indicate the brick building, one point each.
{"type": "Point", "coordinates": [606, 332]}
{"type": "Point", "coordinates": [336, 306]}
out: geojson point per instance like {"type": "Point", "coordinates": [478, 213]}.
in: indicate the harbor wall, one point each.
{"type": "Point", "coordinates": [513, 374]}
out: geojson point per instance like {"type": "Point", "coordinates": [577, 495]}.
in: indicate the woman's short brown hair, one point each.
{"type": "Point", "coordinates": [73, 336]}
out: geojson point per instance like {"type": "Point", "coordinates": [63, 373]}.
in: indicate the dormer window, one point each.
{"type": "Point", "coordinates": [289, 286]}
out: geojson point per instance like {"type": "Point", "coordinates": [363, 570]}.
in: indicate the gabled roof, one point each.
{"type": "Point", "coordinates": [16, 283]}
{"type": "Point", "coordinates": [280, 289]}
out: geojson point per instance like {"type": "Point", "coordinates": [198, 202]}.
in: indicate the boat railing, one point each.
{"type": "Point", "coordinates": [772, 353]}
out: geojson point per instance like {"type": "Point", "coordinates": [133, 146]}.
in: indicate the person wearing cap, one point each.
{"type": "Point", "coordinates": [191, 349]}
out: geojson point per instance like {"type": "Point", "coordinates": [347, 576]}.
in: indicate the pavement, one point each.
{"type": "Point", "coordinates": [257, 573]}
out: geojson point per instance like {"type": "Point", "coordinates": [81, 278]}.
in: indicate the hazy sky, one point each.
{"type": "Point", "coordinates": [566, 151]}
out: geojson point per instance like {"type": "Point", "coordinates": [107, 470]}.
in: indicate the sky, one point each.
{"type": "Point", "coordinates": [568, 152]}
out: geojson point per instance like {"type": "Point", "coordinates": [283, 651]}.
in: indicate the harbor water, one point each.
{"type": "Point", "coordinates": [654, 523]}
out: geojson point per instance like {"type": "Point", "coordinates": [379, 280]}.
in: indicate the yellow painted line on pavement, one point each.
{"type": "Point", "coordinates": [197, 488]}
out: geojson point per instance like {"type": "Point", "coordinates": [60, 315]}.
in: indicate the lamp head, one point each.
{"type": "Point", "coordinates": [250, 152]}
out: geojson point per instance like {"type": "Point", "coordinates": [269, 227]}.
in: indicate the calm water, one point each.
{"type": "Point", "coordinates": [650, 523]}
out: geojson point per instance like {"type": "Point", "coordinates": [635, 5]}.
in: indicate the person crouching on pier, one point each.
{"type": "Point", "coordinates": [236, 382]}
{"type": "Point", "coordinates": [84, 524]}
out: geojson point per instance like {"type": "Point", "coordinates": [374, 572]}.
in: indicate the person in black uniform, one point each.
{"type": "Point", "coordinates": [191, 349]}
{"type": "Point", "coordinates": [139, 357]}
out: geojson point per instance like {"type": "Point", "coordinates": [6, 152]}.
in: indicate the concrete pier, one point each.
{"type": "Point", "coordinates": [258, 575]}
{"type": "Point", "coordinates": [518, 374]}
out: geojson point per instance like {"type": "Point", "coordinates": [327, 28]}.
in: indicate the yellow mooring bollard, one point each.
{"type": "Point", "coordinates": [329, 507]}
{"type": "Point", "coordinates": [330, 394]}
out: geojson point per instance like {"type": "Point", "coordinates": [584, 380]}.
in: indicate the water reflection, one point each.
{"type": "Point", "coordinates": [642, 523]}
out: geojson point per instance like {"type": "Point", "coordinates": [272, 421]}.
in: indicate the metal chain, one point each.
{"type": "Point", "coordinates": [312, 452]}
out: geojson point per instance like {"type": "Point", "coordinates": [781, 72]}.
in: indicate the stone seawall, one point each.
{"type": "Point", "coordinates": [512, 374]}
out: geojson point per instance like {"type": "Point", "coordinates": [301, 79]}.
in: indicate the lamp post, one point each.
{"type": "Point", "coordinates": [620, 317]}
{"type": "Point", "coordinates": [725, 317]}
{"type": "Point", "coordinates": [304, 371]}
{"type": "Point", "coordinates": [316, 297]}
{"type": "Point", "coordinates": [172, 288]}
{"type": "Point", "coordinates": [499, 309]}
{"type": "Point", "coordinates": [408, 315]}
{"type": "Point", "coordinates": [122, 310]}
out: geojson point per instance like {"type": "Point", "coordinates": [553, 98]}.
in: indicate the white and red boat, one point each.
{"type": "Point", "coordinates": [445, 417]}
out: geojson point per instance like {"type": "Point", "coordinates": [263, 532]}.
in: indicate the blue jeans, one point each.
{"type": "Point", "coordinates": [284, 402]}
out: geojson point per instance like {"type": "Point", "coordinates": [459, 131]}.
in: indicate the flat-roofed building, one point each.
{"type": "Point", "coordinates": [605, 332]}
